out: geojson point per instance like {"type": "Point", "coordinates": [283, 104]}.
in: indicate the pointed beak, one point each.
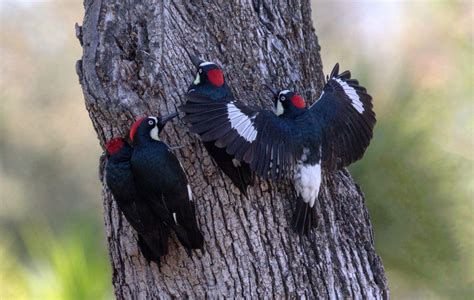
{"type": "Point", "coordinates": [195, 60]}
{"type": "Point", "coordinates": [163, 120]}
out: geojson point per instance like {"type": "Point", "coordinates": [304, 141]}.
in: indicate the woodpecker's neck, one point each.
{"type": "Point", "coordinates": [292, 112]}
{"type": "Point", "coordinates": [142, 137]}
{"type": "Point", "coordinates": [211, 91]}
{"type": "Point", "coordinates": [122, 155]}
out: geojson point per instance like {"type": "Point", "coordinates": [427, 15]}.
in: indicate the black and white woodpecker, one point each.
{"type": "Point", "coordinates": [292, 140]}
{"type": "Point", "coordinates": [151, 189]}
{"type": "Point", "coordinates": [210, 83]}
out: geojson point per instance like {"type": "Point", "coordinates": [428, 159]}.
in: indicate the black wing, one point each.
{"type": "Point", "coordinates": [152, 235]}
{"type": "Point", "coordinates": [257, 137]}
{"type": "Point", "coordinates": [178, 199]}
{"type": "Point", "coordinates": [344, 112]}
{"type": "Point", "coordinates": [119, 179]}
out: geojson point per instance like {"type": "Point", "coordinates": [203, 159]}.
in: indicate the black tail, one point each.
{"type": "Point", "coordinates": [187, 229]}
{"type": "Point", "coordinates": [154, 245]}
{"type": "Point", "coordinates": [304, 218]}
{"type": "Point", "coordinates": [239, 172]}
{"type": "Point", "coordinates": [246, 177]}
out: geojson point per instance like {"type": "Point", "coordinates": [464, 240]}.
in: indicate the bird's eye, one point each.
{"type": "Point", "coordinates": [282, 98]}
{"type": "Point", "coordinates": [151, 122]}
{"type": "Point", "coordinates": [200, 70]}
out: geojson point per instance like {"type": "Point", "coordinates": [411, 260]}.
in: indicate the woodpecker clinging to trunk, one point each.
{"type": "Point", "coordinates": [151, 189]}
{"type": "Point", "coordinates": [330, 134]}
{"type": "Point", "coordinates": [152, 234]}
{"type": "Point", "coordinates": [210, 83]}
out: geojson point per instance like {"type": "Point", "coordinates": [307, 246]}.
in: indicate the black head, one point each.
{"type": "Point", "coordinates": [208, 73]}
{"type": "Point", "coordinates": [149, 127]}
{"type": "Point", "coordinates": [288, 102]}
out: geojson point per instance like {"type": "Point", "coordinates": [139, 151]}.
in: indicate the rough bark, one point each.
{"type": "Point", "coordinates": [135, 63]}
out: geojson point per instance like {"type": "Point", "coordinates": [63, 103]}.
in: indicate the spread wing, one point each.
{"type": "Point", "coordinates": [344, 112]}
{"type": "Point", "coordinates": [255, 136]}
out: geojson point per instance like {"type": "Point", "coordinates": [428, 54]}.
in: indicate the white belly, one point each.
{"type": "Point", "coordinates": [307, 181]}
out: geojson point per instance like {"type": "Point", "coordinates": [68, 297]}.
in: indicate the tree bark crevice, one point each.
{"type": "Point", "coordinates": [135, 62]}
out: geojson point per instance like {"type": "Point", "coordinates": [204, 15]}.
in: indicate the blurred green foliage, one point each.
{"type": "Point", "coordinates": [52, 243]}
{"type": "Point", "coordinates": [68, 265]}
{"type": "Point", "coordinates": [415, 58]}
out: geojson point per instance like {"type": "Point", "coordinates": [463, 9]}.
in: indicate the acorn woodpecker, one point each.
{"type": "Point", "coordinates": [293, 139]}
{"type": "Point", "coordinates": [151, 189]}
{"type": "Point", "coordinates": [152, 234]}
{"type": "Point", "coordinates": [210, 83]}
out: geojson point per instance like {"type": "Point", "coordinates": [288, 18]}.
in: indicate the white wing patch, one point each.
{"type": "Point", "coordinates": [241, 122]}
{"type": "Point", "coordinates": [279, 110]}
{"type": "Point", "coordinates": [190, 193]}
{"type": "Point", "coordinates": [352, 94]}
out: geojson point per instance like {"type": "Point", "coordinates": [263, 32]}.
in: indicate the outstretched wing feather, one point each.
{"type": "Point", "coordinates": [346, 120]}
{"type": "Point", "coordinates": [254, 136]}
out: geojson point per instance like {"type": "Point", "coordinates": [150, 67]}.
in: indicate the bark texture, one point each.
{"type": "Point", "coordinates": [135, 63]}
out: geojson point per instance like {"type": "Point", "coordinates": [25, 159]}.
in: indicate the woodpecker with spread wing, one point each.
{"type": "Point", "coordinates": [150, 188]}
{"type": "Point", "coordinates": [210, 83]}
{"type": "Point", "coordinates": [292, 140]}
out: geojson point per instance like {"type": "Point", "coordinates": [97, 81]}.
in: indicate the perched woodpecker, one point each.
{"type": "Point", "coordinates": [210, 83]}
{"type": "Point", "coordinates": [293, 140]}
{"type": "Point", "coordinates": [151, 189]}
{"type": "Point", "coordinates": [160, 180]}
{"type": "Point", "coordinates": [152, 234]}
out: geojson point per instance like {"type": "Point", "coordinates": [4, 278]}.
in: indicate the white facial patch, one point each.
{"type": "Point", "coordinates": [154, 133]}
{"type": "Point", "coordinates": [307, 181]}
{"type": "Point", "coordinates": [279, 109]}
{"type": "Point", "coordinates": [352, 94]}
{"type": "Point", "coordinates": [241, 122]}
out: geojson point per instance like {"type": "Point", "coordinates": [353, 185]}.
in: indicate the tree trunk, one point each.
{"type": "Point", "coordinates": [135, 63]}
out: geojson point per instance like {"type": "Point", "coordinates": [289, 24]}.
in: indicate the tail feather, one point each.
{"type": "Point", "coordinates": [304, 218]}
{"type": "Point", "coordinates": [154, 245]}
{"type": "Point", "coordinates": [245, 177]}
{"type": "Point", "coordinates": [187, 229]}
{"type": "Point", "coordinates": [241, 175]}
{"type": "Point", "coordinates": [147, 252]}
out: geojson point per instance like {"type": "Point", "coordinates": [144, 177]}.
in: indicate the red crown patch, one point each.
{"type": "Point", "coordinates": [134, 127]}
{"type": "Point", "coordinates": [114, 145]}
{"type": "Point", "coordinates": [298, 101]}
{"type": "Point", "coordinates": [216, 77]}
